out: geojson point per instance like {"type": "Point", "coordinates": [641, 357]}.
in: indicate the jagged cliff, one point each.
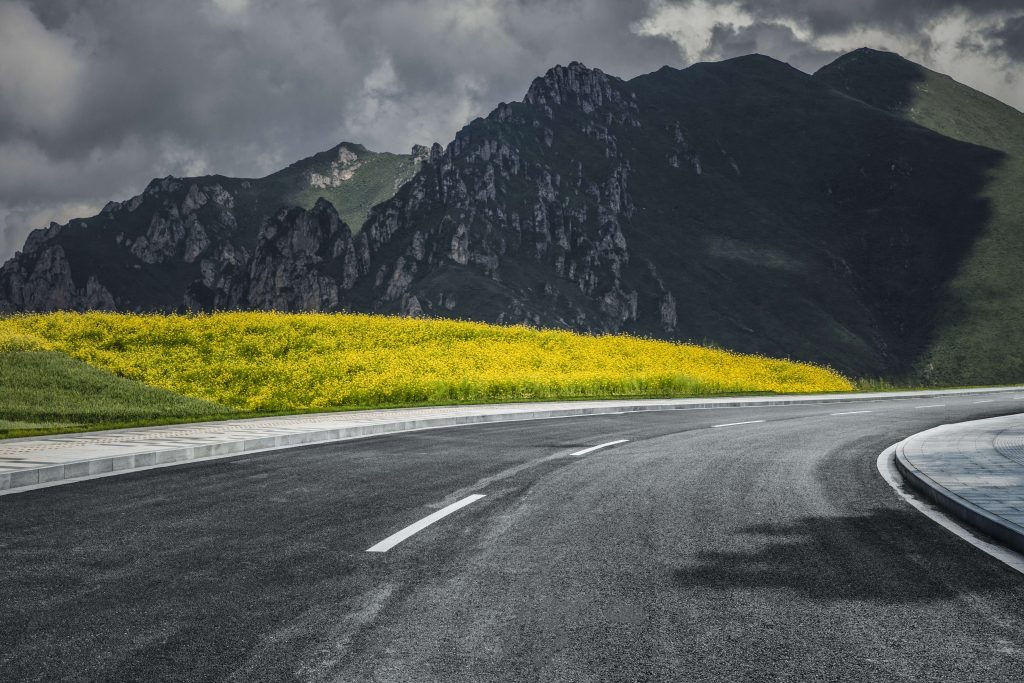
{"type": "Point", "coordinates": [523, 218]}
{"type": "Point", "coordinates": [742, 203]}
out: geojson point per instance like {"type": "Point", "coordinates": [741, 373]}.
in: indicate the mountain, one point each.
{"type": "Point", "coordinates": [742, 203]}
{"type": "Point", "coordinates": [977, 337]}
{"type": "Point", "coordinates": [186, 243]}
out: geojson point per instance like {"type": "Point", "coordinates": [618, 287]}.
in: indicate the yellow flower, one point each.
{"type": "Point", "coordinates": [270, 361]}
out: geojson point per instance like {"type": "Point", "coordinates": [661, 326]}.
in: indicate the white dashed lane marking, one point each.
{"type": "Point", "coordinates": [734, 424]}
{"type": "Point", "coordinates": [394, 539]}
{"type": "Point", "coordinates": [594, 448]}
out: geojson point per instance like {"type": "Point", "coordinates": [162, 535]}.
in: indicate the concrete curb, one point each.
{"type": "Point", "coordinates": [87, 468]}
{"type": "Point", "coordinates": [998, 528]}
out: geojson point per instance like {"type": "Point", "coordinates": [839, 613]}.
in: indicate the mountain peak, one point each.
{"type": "Point", "coordinates": [573, 67]}
{"type": "Point", "coordinates": [752, 58]}
{"type": "Point", "coordinates": [873, 52]}
{"type": "Point", "coordinates": [343, 152]}
{"type": "Point", "coordinates": [755, 64]}
{"type": "Point", "coordinates": [866, 56]}
{"type": "Point", "coordinates": [882, 79]}
{"type": "Point", "coordinates": [575, 84]}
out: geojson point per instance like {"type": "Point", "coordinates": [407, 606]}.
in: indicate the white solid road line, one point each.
{"type": "Point", "coordinates": [937, 405]}
{"type": "Point", "coordinates": [594, 448]}
{"type": "Point", "coordinates": [733, 424]}
{"type": "Point", "coordinates": [853, 412]}
{"type": "Point", "coordinates": [987, 400]}
{"type": "Point", "coordinates": [394, 539]}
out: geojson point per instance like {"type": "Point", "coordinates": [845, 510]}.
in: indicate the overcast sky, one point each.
{"type": "Point", "coordinates": [99, 96]}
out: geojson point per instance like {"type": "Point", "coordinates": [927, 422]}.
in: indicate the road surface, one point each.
{"type": "Point", "coordinates": [729, 544]}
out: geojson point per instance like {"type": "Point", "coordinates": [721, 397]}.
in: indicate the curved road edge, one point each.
{"type": "Point", "coordinates": [41, 462]}
{"type": "Point", "coordinates": [962, 469]}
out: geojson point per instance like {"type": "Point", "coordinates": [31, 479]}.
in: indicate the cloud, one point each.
{"type": "Point", "coordinates": [1009, 38]}
{"type": "Point", "coordinates": [99, 96]}
{"type": "Point", "coordinates": [39, 75]}
{"type": "Point", "coordinates": [838, 17]}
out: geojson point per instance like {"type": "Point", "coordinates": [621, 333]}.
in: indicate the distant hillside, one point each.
{"type": "Point", "coordinates": [826, 218]}
{"type": "Point", "coordinates": [349, 176]}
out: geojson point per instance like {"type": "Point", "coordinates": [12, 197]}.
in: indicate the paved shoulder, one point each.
{"type": "Point", "coordinates": [975, 470]}
{"type": "Point", "coordinates": [50, 460]}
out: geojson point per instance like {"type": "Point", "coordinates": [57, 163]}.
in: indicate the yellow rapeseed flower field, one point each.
{"type": "Point", "coordinates": [280, 362]}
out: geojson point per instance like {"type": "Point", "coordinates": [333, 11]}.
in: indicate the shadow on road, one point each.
{"type": "Point", "coordinates": [883, 556]}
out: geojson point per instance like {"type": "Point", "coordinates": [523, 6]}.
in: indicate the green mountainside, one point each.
{"type": "Point", "coordinates": [978, 336]}
{"type": "Point", "coordinates": [349, 176]}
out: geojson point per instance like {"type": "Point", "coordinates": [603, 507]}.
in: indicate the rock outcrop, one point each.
{"type": "Point", "coordinates": [42, 281]}
{"type": "Point", "coordinates": [305, 261]}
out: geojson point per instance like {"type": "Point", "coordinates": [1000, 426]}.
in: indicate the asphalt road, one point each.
{"type": "Point", "coordinates": [765, 551]}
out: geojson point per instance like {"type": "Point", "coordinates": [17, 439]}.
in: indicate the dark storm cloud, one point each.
{"type": "Point", "coordinates": [1009, 38]}
{"type": "Point", "coordinates": [98, 96]}
{"type": "Point", "coordinates": [826, 17]}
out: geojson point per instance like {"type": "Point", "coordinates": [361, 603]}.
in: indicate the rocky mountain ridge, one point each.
{"type": "Point", "coordinates": [188, 243]}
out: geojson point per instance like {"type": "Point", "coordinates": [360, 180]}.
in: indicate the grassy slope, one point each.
{"type": "Point", "coordinates": [47, 391]}
{"type": "Point", "coordinates": [376, 180]}
{"type": "Point", "coordinates": [978, 339]}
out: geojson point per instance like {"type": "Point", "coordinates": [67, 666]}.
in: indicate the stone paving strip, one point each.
{"type": "Point", "coordinates": [48, 460]}
{"type": "Point", "coordinates": [974, 470]}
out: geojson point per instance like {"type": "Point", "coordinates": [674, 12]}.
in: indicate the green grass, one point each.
{"type": "Point", "coordinates": [881, 384]}
{"type": "Point", "coordinates": [44, 392]}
